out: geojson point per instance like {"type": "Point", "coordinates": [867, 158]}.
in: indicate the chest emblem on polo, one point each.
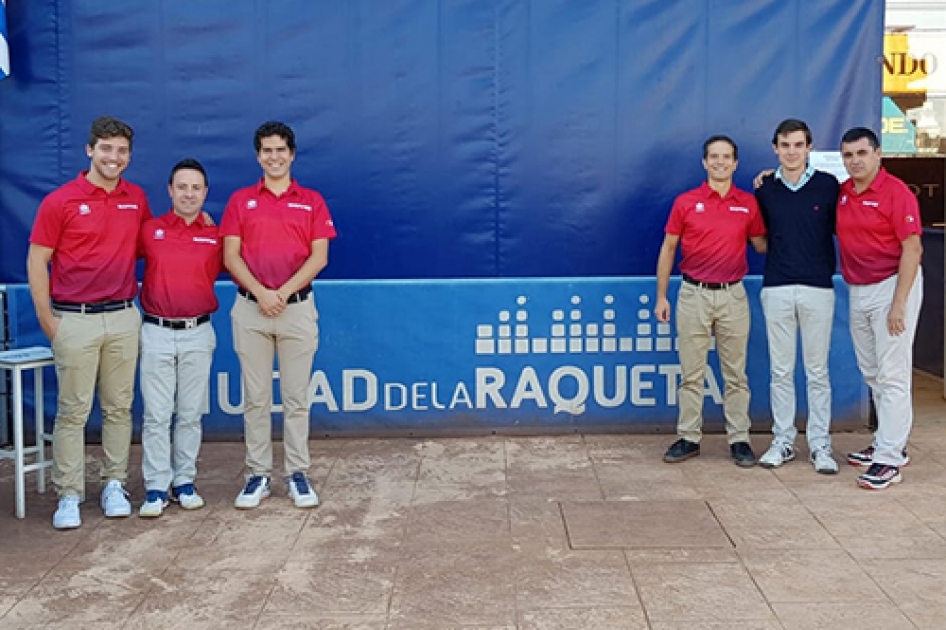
{"type": "Point", "coordinates": [251, 204]}
{"type": "Point", "coordinates": [159, 234]}
{"type": "Point", "coordinates": [700, 207]}
{"type": "Point", "coordinates": [843, 200]}
{"type": "Point", "coordinates": [872, 204]}
{"type": "Point", "coordinates": [739, 209]}
{"type": "Point", "coordinates": [85, 209]}
{"type": "Point", "coordinates": [300, 206]}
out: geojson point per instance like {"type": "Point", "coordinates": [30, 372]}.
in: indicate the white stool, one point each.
{"type": "Point", "coordinates": [17, 361]}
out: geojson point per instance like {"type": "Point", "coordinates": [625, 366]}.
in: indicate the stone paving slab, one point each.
{"type": "Point", "coordinates": [570, 532]}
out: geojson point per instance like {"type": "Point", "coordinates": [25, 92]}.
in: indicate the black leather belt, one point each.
{"type": "Point", "coordinates": [298, 296]}
{"type": "Point", "coordinates": [182, 323]}
{"type": "Point", "coordinates": [713, 286]}
{"type": "Point", "coordinates": [94, 307]}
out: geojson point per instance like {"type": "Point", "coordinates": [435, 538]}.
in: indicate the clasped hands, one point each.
{"type": "Point", "coordinates": [271, 302]}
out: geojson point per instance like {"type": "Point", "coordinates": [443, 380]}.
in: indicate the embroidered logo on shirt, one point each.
{"type": "Point", "coordinates": [843, 199]}
{"type": "Point", "coordinates": [872, 204]}
{"type": "Point", "coordinates": [700, 207]}
{"type": "Point", "coordinates": [251, 204]}
{"type": "Point", "coordinates": [85, 209]}
{"type": "Point", "coordinates": [330, 223]}
{"type": "Point", "coordinates": [159, 234]}
{"type": "Point", "coordinates": [300, 206]}
{"type": "Point", "coordinates": [127, 206]}
{"type": "Point", "coordinates": [738, 209]}
{"type": "Point", "coordinates": [204, 239]}
{"type": "Point", "coordinates": [910, 218]}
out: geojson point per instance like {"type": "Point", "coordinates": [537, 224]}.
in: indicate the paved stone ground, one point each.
{"type": "Point", "coordinates": [572, 532]}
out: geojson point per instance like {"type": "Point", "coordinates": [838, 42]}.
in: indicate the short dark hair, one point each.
{"type": "Point", "coordinates": [274, 128]}
{"type": "Point", "coordinates": [720, 138]}
{"type": "Point", "coordinates": [109, 127]}
{"type": "Point", "coordinates": [790, 125]}
{"type": "Point", "coordinates": [856, 133]}
{"type": "Point", "coordinates": [189, 164]}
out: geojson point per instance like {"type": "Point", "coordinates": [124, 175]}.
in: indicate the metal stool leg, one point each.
{"type": "Point", "coordinates": [19, 473]}
{"type": "Point", "coordinates": [40, 429]}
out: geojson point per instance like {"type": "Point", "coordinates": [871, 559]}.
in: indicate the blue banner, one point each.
{"type": "Point", "coordinates": [474, 356]}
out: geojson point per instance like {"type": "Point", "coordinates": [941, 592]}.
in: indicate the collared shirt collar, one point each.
{"type": "Point", "coordinates": [89, 188]}
{"type": "Point", "coordinates": [709, 191]}
{"type": "Point", "coordinates": [173, 219]}
{"type": "Point", "coordinates": [292, 190]}
{"type": "Point", "coordinates": [875, 184]}
{"type": "Point", "coordinates": [804, 179]}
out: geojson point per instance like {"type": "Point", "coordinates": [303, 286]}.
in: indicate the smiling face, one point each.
{"type": "Point", "coordinates": [109, 159]}
{"type": "Point", "coordinates": [188, 191]}
{"type": "Point", "coordinates": [861, 159]}
{"type": "Point", "coordinates": [792, 150]}
{"type": "Point", "coordinates": [275, 157]}
{"type": "Point", "coordinates": [720, 161]}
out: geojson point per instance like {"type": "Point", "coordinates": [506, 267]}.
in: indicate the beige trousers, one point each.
{"type": "Point", "coordinates": [294, 337]}
{"type": "Point", "coordinates": [90, 350]}
{"type": "Point", "coordinates": [700, 313]}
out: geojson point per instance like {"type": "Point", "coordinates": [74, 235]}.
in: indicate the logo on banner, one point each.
{"type": "Point", "coordinates": [564, 360]}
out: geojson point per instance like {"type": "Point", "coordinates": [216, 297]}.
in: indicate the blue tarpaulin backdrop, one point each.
{"type": "Point", "coordinates": [483, 140]}
{"type": "Point", "coordinates": [451, 138]}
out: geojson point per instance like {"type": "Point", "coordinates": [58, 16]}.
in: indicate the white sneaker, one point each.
{"type": "Point", "coordinates": [823, 462]}
{"type": "Point", "coordinates": [186, 496]}
{"type": "Point", "coordinates": [67, 514]}
{"type": "Point", "coordinates": [115, 500]}
{"type": "Point", "coordinates": [777, 455]}
{"type": "Point", "coordinates": [256, 489]}
{"type": "Point", "coordinates": [301, 491]}
{"type": "Point", "coordinates": [155, 502]}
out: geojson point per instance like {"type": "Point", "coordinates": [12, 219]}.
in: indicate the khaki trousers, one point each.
{"type": "Point", "coordinates": [294, 337]}
{"type": "Point", "coordinates": [700, 312]}
{"type": "Point", "coordinates": [94, 349]}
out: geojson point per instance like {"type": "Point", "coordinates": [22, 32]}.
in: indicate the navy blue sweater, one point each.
{"type": "Point", "coordinates": [800, 228]}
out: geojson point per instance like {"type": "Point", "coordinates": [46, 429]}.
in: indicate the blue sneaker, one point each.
{"type": "Point", "coordinates": [186, 495]}
{"type": "Point", "coordinates": [155, 502]}
{"type": "Point", "coordinates": [257, 488]}
{"type": "Point", "coordinates": [301, 491]}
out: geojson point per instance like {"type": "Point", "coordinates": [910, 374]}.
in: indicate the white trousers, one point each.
{"type": "Point", "coordinates": [175, 381]}
{"type": "Point", "coordinates": [886, 362]}
{"type": "Point", "coordinates": [789, 309]}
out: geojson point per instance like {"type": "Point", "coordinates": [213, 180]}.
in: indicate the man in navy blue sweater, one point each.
{"type": "Point", "coordinates": [799, 205]}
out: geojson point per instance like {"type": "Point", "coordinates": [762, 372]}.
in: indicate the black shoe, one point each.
{"type": "Point", "coordinates": [742, 454]}
{"type": "Point", "coordinates": [681, 450]}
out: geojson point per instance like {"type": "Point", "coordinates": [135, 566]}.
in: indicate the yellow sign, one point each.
{"type": "Point", "coordinates": [901, 70]}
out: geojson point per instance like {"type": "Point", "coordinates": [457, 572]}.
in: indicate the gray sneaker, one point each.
{"type": "Point", "coordinates": [823, 462]}
{"type": "Point", "coordinates": [777, 455]}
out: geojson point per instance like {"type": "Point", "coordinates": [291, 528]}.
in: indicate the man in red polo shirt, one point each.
{"type": "Point", "coordinates": [183, 255]}
{"type": "Point", "coordinates": [87, 230]}
{"type": "Point", "coordinates": [713, 224]}
{"type": "Point", "coordinates": [276, 236]}
{"type": "Point", "coordinates": [879, 235]}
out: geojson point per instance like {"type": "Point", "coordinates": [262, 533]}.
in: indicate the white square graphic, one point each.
{"type": "Point", "coordinates": [591, 345]}
{"type": "Point", "coordinates": [505, 346]}
{"type": "Point", "coordinates": [522, 346]}
{"type": "Point", "coordinates": [610, 345]}
{"type": "Point", "coordinates": [643, 330]}
{"type": "Point", "coordinates": [485, 346]}
{"type": "Point", "coordinates": [484, 331]}
{"type": "Point", "coordinates": [591, 330]}
{"type": "Point", "coordinates": [627, 344]}
{"type": "Point", "coordinates": [574, 330]}
{"type": "Point", "coordinates": [609, 330]}
{"type": "Point", "coordinates": [664, 343]}
{"type": "Point", "coordinates": [574, 345]}
{"type": "Point", "coordinates": [643, 345]}
{"type": "Point", "coordinates": [558, 330]}
{"type": "Point", "coordinates": [663, 329]}
{"type": "Point", "coordinates": [505, 330]}
{"type": "Point", "coordinates": [558, 346]}
{"type": "Point", "coordinates": [540, 346]}
{"type": "Point", "coordinates": [522, 330]}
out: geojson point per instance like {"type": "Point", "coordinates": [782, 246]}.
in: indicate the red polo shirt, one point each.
{"type": "Point", "coordinates": [872, 226]}
{"type": "Point", "coordinates": [276, 232]}
{"type": "Point", "coordinates": [93, 234]}
{"type": "Point", "coordinates": [713, 232]}
{"type": "Point", "coordinates": [182, 263]}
